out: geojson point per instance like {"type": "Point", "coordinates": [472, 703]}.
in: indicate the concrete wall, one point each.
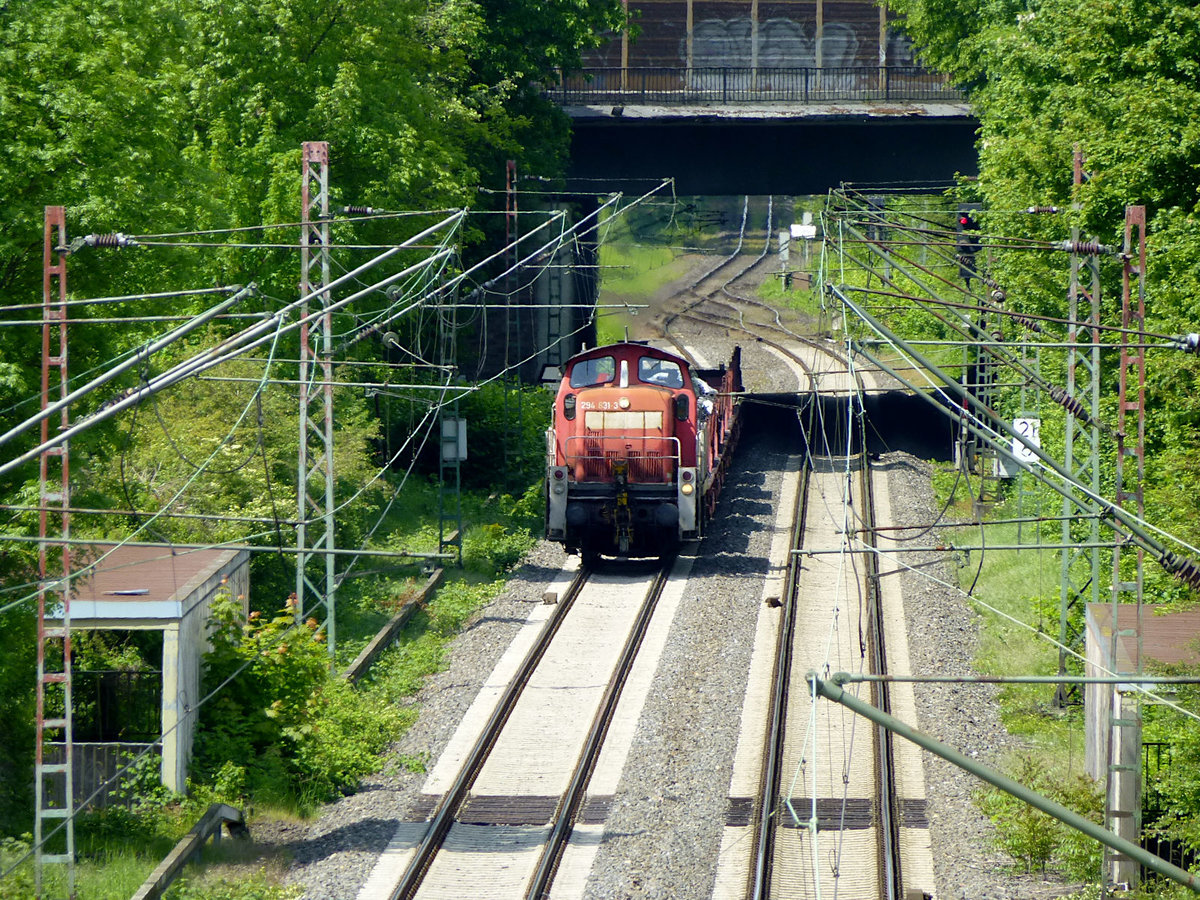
{"type": "Point", "coordinates": [184, 644]}
{"type": "Point", "coordinates": [1111, 714]}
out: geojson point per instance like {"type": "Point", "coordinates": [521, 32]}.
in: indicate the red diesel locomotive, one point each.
{"type": "Point", "coordinates": [637, 450]}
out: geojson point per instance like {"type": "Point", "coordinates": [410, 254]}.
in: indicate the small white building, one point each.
{"type": "Point", "coordinates": [1112, 711]}
{"type": "Point", "coordinates": [139, 587]}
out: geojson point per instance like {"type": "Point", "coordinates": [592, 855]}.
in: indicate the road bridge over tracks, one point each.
{"type": "Point", "coordinates": [761, 97]}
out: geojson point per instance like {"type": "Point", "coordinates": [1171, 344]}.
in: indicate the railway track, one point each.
{"type": "Point", "coordinates": [851, 802]}
{"type": "Point", "coordinates": [502, 821]}
{"type": "Point", "coordinates": [819, 803]}
{"type": "Point", "coordinates": [776, 867]}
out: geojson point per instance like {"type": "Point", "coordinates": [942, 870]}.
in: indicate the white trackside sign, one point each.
{"type": "Point", "coordinates": [1030, 431]}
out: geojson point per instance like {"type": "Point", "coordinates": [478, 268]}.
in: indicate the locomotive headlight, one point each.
{"type": "Point", "coordinates": [623, 403]}
{"type": "Point", "coordinates": [686, 489]}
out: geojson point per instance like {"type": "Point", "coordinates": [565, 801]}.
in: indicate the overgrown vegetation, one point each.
{"type": "Point", "coordinates": [1033, 838]}
{"type": "Point", "coordinates": [1017, 599]}
{"type": "Point", "coordinates": [284, 734]}
{"type": "Point", "coordinates": [160, 118]}
{"type": "Point", "coordinates": [281, 727]}
{"type": "Point", "coordinates": [1118, 83]}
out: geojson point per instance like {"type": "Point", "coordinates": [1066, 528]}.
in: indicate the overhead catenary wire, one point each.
{"type": "Point", "coordinates": [268, 226]}
{"type": "Point", "coordinates": [230, 351]}
{"type": "Point", "coordinates": [71, 576]}
{"type": "Point", "coordinates": [126, 298]}
{"type": "Point", "coordinates": [990, 428]}
{"type": "Point", "coordinates": [138, 359]}
{"type": "Point", "coordinates": [231, 348]}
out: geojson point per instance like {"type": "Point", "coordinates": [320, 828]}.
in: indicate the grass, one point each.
{"type": "Point", "coordinates": [1020, 585]}
{"type": "Point", "coordinates": [794, 297]}
{"type": "Point", "coordinates": [633, 272]}
{"type": "Point", "coordinates": [118, 850]}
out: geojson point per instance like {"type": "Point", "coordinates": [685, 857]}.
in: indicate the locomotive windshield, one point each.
{"type": "Point", "coordinates": [659, 371]}
{"type": "Point", "coordinates": [592, 371]}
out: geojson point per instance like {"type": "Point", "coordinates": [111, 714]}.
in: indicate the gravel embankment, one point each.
{"type": "Point", "coordinates": [942, 637]}
{"type": "Point", "coordinates": [333, 856]}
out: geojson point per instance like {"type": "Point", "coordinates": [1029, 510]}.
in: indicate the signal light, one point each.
{"type": "Point", "coordinates": [967, 242]}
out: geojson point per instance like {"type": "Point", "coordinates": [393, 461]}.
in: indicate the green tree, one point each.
{"type": "Point", "coordinates": [1120, 82]}
{"type": "Point", "coordinates": [154, 117]}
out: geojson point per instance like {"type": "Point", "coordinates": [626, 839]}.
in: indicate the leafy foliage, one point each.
{"type": "Point", "coordinates": [507, 429]}
{"type": "Point", "coordinates": [18, 649]}
{"type": "Point", "coordinates": [1119, 82]}
{"type": "Point", "coordinates": [1033, 838]}
{"type": "Point", "coordinates": [19, 885]}
{"type": "Point", "coordinates": [282, 727]}
{"type": "Point", "coordinates": [160, 117]}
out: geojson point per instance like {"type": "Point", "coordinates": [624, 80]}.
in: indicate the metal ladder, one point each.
{"type": "Point", "coordinates": [54, 782]}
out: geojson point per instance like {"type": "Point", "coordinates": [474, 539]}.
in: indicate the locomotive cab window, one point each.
{"type": "Point", "coordinates": [588, 372]}
{"type": "Point", "coordinates": [659, 371]}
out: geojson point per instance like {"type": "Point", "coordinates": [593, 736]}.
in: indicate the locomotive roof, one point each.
{"type": "Point", "coordinates": [627, 347]}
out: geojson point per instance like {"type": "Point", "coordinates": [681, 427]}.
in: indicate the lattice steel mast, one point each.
{"type": "Point", "coordinates": [315, 585]}
{"type": "Point", "coordinates": [1123, 795]}
{"type": "Point", "coordinates": [1081, 451]}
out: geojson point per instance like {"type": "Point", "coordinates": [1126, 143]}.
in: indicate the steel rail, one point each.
{"type": "Point", "coordinates": [694, 286]}
{"type": "Point", "coordinates": [443, 817]}
{"type": "Point", "coordinates": [572, 800]}
{"type": "Point", "coordinates": [772, 767]}
{"type": "Point", "coordinates": [889, 809]}
{"type": "Point", "coordinates": [885, 761]}
{"type": "Point", "coordinates": [1091, 504]}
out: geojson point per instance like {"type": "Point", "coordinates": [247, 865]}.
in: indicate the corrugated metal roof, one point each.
{"type": "Point", "coordinates": [1167, 638]}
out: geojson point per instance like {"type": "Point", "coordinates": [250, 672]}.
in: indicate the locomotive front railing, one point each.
{"type": "Point", "coordinates": [591, 456]}
{"type": "Point", "coordinates": [673, 85]}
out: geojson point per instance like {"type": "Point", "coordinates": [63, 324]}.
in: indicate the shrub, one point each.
{"type": "Point", "coordinates": [18, 885]}
{"type": "Point", "coordinates": [493, 549]}
{"type": "Point", "coordinates": [1035, 838]}
{"type": "Point", "coordinates": [282, 719]}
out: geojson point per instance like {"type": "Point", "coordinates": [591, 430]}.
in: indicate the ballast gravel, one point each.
{"type": "Point", "coordinates": [663, 834]}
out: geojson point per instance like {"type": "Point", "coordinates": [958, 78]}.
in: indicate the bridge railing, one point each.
{"type": "Point", "coordinates": [667, 85]}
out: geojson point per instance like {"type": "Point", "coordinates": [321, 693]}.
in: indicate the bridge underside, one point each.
{"type": "Point", "coordinates": [777, 155]}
